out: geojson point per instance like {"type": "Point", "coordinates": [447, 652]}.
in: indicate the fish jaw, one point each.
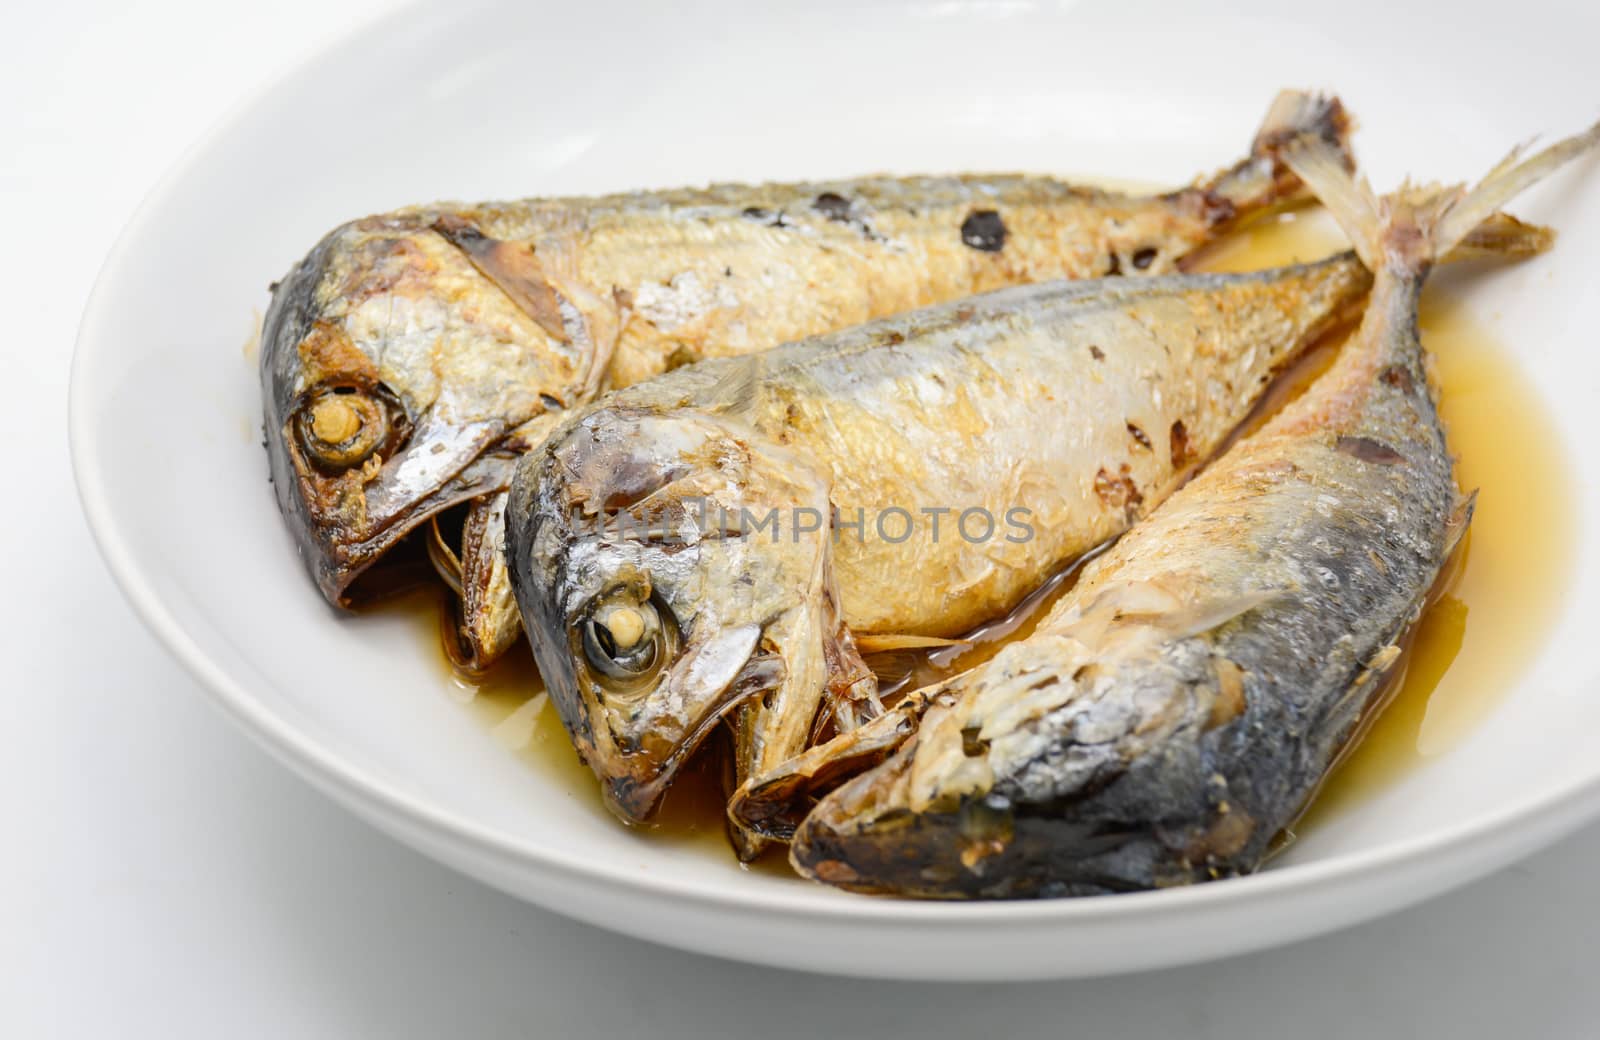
{"type": "Point", "coordinates": [487, 625]}
{"type": "Point", "coordinates": [486, 621]}
{"type": "Point", "coordinates": [623, 510]}
{"type": "Point", "coordinates": [1263, 179]}
{"type": "Point", "coordinates": [393, 374]}
{"type": "Point", "coordinates": [343, 524]}
{"type": "Point", "coordinates": [770, 805]}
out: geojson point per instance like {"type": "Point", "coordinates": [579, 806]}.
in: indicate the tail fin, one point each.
{"type": "Point", "coordinates": [1504, 237]}
{"type": "Point", "coordinates": [1297, 113]}
{"type": "Point", "coordinates": [1418, 225]}
{"type": "Point", "coordinates": [1505, 182]}
{"type": "Point", "coordinates": [1262, 178]}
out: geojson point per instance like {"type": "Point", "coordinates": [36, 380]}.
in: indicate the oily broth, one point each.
{"type": "Point", "coordinates": [1507, 584]}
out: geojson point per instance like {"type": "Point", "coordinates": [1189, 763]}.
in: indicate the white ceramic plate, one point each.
{"type": "Point", "coordinates": [481, 102]}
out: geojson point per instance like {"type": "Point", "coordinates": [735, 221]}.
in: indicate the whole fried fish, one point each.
{"type": "Point", "coordinates": [410, 358]}
{"type": "Point", "coordinates": [1176, 710]}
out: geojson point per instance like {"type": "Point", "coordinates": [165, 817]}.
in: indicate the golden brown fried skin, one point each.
{"type": "Point", "coordinates": [1179, 706]}
{"type": "Point", "coordinates": [723, 488]}
{"type": "Point", "coordinates": [460, 334]}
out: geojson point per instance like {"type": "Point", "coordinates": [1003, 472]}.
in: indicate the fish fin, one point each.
{"type": "Point", "coordinates": [1261, 178]}
{"type": "Point", "coordinates": [1154, 607]}
{"type": "Point", "coordinates": [601, 314]}
{"type": "Point", "coordinates": [1187, 622]}
{"type": "Point", "coordinates": [1460, 519]}
{"type": "Point", "coordinates": [879, 643]}
{"type": "Point", "coordinates": [1417, 225]}
{"type": "Point", "coordinates": [1362, 686]}
{"type": "Point", "coordinates": [1509, 178]}
{"type": "Point", "coordinates": [1502, 236]}
{"type": "Point", "coordinates": [1381, 661]}
{"type": "Point", "coordinates": [1348, 198]}
{"type": "Point", "coordinates": [769, 806]}
{"type": "Point", "coordinates": [513, 268]}
{"type": "Point", "coordinates": [1297, 113]}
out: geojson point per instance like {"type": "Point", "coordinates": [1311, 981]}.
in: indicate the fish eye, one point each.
{"type": "Point", "coordinates": [343, 426]}
{"type": "Point", "coordinates": [627, 640]}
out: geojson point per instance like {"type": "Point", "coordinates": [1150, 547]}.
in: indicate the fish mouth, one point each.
{"type": "Point", "coordinates": [465, 545]}
{"type": "Point", "coordinates": [634, 785]}
{"type": "Point", "coordinates": [636, 746]}
{"type": "Point", "coordinates": [774, 804]}
{"type": "Point", "coordinates": [345, 523]}
{"type": "Point", "coordinates": [636, 719]}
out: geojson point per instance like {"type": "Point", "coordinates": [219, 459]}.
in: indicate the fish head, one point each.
{"type": "Point", "coordinates": [653, 612]}
{"type": "Point", "coordinates": [399, 379]}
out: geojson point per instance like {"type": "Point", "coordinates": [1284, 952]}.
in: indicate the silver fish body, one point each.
{"type": "Point", "coordinates": [1177, 709]}
{"type": "Point", "coordinates": [1116, 748]}
{"type": "Point", "coordinates": [711, 495]}
{"type": "Point", "coordinates": [410, 358]}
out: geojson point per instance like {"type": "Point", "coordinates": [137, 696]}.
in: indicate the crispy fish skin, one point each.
{"type": "Point", "coordinates": [1176, 710]}
{"type": "Point", "coordinates": [411, 357]}
{"type": "Point", "coordinates": [882, 416]}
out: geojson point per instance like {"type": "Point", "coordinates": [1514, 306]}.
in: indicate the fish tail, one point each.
{"type": "Point", "coordinates": [1420, 224]}
{"type": "Point", "coordinates": [1262, 178]}
{"type": "Point", "coordinates": [1513, 175]}
{"type": "Point", "coordinates": [1502, 236]}
{"type": "Point", "coordinates": [1298, 113]}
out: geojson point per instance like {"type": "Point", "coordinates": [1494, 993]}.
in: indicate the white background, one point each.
{"type": "Point", "coordinates": [160, 877]}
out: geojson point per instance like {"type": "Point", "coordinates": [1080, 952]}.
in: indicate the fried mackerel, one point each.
{"type": "Point", "coordinates": [411, 357]}
{"type": "Point", "coordinates": [717, 539]}
{"type": "Point", "coordinates": [1177, 709]}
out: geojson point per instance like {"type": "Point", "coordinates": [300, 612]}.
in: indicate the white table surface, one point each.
{"type": "Point", "coordinates": [168, 880]}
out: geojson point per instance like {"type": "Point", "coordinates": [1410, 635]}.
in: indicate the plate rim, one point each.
{"type": "Point", "coordinates": [1548, 815]}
